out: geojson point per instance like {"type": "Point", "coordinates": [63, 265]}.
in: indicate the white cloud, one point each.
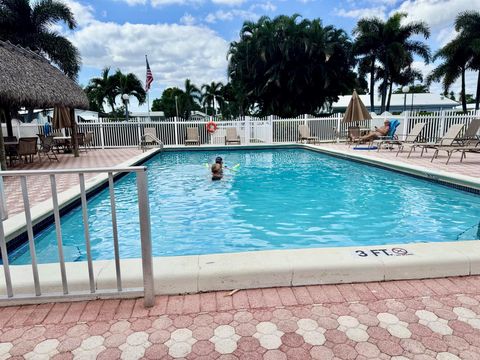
{"type": "Point", "coordinates": [84, 14]}
{"type": "Point", "coordinates": [158, 3]}
{"type": "Point", "coordinates": [175, 52]}
{"type": "Point", "coordinates": [266, 6]}
{"type": "Point", "coordinates": [134, 2]}
{"type": "Point", "coordinates": [221, 15]}
{"type": "Point", "coordinates": [379, 12]}
{"type": "Point", "coordinates": [188, 19]}
{"type": "Point", "coordinates": [228, 2]}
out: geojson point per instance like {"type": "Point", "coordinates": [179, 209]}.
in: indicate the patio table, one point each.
{"type": "Point", "coordinates": [63, 141]}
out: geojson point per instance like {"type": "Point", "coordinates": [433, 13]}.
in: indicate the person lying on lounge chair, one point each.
{"type": "Point", "coordinates": [381, 131]}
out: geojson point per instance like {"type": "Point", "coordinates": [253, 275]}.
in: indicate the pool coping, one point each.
{"type": "Point", "coordinates": [269, 268]}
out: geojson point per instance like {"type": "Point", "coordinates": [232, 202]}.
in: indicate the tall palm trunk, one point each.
{"type": "Point", "coordinates": [372, 85]}
{"type": "Point", "coordinates": [389, 95]}
{"type": "Point", "coordinates": [477, 97]}
{"type": "Point", "coordinates": [464, 100]}
{"type": "Point", "coordinates": [385, 83]}
{"type": "Point", "coordinates": [3, 161]}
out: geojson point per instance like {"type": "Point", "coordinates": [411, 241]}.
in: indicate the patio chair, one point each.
{"type": "Point", "coordinates": [149, 136]}
{"type": "Point", "coordinates": [193, 138]}
{"type": "Point", "coordinates": [353, 134]}
{"type": "Point", "coordinates": [11, 147]}
{"type": "Point", "coordinates": [81, 142]}
{"type": "Point", "coordinates": [387, 139]}
{"type": "Point", "coordinates": [447, 140]}
{"type": "Point", "coordinates": [46, 147]}
{"type": "Point", "coordinates": [88, 141]}
{"type": "Point", "coordinates": [305, 135]}
{"type": "Point", "coordinates": [231, 136]}
{"type": "Point", "coordinates": [471, 132]}
{"type": "Point", "coordinates": [412, 137]}
{"type": "Point", "coordinates": [27, 148]}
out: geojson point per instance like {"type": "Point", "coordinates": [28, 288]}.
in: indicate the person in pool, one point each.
{"type": "Point", "coordinates": [379, 131]}
{"type": "Point", "coordinates": [217, 169]}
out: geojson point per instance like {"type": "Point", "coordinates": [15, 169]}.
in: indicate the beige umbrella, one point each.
{"type": "Point", "coordinates": [61, 118]}
{"type": "Point", "coordinates": [356, 111]}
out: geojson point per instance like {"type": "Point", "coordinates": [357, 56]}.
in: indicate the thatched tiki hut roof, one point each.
{"type": "Point", "coordinates": [29, 80]}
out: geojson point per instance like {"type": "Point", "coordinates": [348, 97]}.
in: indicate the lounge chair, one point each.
{"type": "Point", "coordinates": [447, 140]}
{"type": "Point", "coordinates": [412, 137]}
{"type": "Point", "coordinates": [387, 139]}
{"type": "Point", "coordinates": [88, 141]}
{"type": "Point", "coordinates": [46, 147]}
{"type": "Point", "coordinates": [231, 136]}
{"type": "Point", "coordinates": [27, 147]}
{"type": "Point", "coordinates": [304, 132]}
{"type": "Point", "coordinates": [149, 136]}
{"type": "Point", "coordinates": [468, 142]}
{"type": "Point", "coordinates": [193, 138]}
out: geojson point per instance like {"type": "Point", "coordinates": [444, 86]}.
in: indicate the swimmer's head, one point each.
{"type": "Point", "coordinates": [219, 160]}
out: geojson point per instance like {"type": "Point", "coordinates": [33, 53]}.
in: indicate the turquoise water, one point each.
{"type": "Point", "coordinates": [278, 199]}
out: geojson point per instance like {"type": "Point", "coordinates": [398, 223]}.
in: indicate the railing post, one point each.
{"type": "Point", "coordinates": [442, 123]}
{"type": "Point", "coordinates": [247, 130]}
{"type": "Point", "coordinates": [102, 140]}
{"type": "Point", "coordinates": [139, 128]}
{"type": "Point", "coordinates": [176, 129]}
{"type": "Point", "coordinates": [145, 238]}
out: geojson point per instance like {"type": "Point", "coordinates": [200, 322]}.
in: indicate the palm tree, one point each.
{"type": "Point", "coordinates": [212, 94]}
{"type": "Point", "coordinates": [366, 45]}
{"type": "Point", "coordinates": [30, 25]}
{"type": "Point", "coordinates": [102, 89]}
{"type": "Point", "coordinates": [129, 84]}
{"type": "Point", "coordinates": [191, 96]}
{"type": "Point", "coordinates": [389, 43]}
{"type": "Point", "coordinates": [468, 25]}
{"type": "Point", "coordinates": [455, 62]}
{"type": "Point", "coordinates": [290, 66]}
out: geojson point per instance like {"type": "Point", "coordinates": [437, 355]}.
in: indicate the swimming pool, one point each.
{"type": "Point", "coordinates": [278, 199]}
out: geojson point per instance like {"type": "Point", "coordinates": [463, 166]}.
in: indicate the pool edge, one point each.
{"type": "Point", "coordinates": [271, 268]}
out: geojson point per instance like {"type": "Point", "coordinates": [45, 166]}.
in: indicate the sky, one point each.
{"type": "Point", "coordinates": [190, 38]}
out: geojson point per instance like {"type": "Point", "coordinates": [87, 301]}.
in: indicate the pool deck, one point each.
{"type": "Point", "coordinates": [419, 319]}
{"type": "Point", "coordinates": [407, 319]}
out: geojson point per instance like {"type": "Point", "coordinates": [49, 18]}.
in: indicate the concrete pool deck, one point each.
{"type": "Point", "coordinates": [435, 319]}
{"type": "Point", "coordinates": [408, 319]}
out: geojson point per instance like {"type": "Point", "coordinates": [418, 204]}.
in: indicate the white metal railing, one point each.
{"type": "Point", "coordinates": [145, 236]}
{"type": "Point", "coordinates": [268, 130]}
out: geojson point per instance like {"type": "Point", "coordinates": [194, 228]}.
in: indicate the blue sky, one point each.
{"type": "Point", "coordinates": [189, 38]}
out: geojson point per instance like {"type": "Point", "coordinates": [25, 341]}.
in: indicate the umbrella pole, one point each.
{"type": "Point", "coordinates": [74, 133]}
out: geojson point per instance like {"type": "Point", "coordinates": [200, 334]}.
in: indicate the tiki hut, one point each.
{"type": "Point", "coordinates": [27, 79]}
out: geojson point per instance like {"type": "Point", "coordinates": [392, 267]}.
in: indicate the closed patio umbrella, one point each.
{"type": "Point", "coordinates": [356, 111]}
{"type": "Point", "coordinates": [63, 117]}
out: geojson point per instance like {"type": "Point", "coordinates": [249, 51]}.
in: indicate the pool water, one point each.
{"type": "Point", "coordinates": [277, 199]}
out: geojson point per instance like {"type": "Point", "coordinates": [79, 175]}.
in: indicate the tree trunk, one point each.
{"type": "Point", "coordinates": [385, 83]}
{"type": "Point", "coordinates": [372, 86]}
{"type": "Point", "coordinates": [74, 133]}
{"type": "Point", "coordinates": [8, 121]}
{"type": "Point", "coordinates": [477, 98]}
{"type": "Point", "coordinates": [389, 95]}
{"type": "Point", "coordinates": [3, 160]}
{"type": "Point", "coordinates": [464, 100]}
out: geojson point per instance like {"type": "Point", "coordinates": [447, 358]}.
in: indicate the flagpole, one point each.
{"type": "Point", "coordinates": [148, 94]}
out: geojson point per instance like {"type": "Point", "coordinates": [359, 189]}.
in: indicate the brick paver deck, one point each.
{"type": "Point", "coordinates": [421, 319]}
{"type": "Point", "coordinates": [39, 187]}
{"type": "Point", "coordinates": [470, 166]}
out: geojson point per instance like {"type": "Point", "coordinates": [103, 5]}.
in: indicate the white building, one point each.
{"type": "Point", "coordinates": [411, 102]}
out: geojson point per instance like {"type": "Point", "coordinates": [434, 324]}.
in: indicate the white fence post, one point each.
{"type": "Point", "coordinates": [270, 128]}
{"type": "Point", "coordinates": [406, 119]}
{"type": "Point", "coordinates": [339, 124]}
{"type": "Point", "coordinates": [247, 130]}
{"type": "Point", "coordinates": [176, 129]}
{"type": "Point", "coordinates": [442, 124]}
{"type": "Point", "coordinates": [102, 138]}
{"type": "Point", "coordinates": [139, 129]}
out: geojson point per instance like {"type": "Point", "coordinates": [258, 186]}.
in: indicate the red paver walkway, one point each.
{"type": "Point", "coordinates": [420, 319]}
{"type": "Point", "coordinates": [39, 187]}
{"type": "Point", "coordinates": [470, 166]}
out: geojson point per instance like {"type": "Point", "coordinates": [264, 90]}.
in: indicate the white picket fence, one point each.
{"type": "Point", "coordinates": [268, 130]}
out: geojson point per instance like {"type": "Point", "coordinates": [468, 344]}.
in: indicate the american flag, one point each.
{"type": "Point", "coordinates": [149, 79]}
